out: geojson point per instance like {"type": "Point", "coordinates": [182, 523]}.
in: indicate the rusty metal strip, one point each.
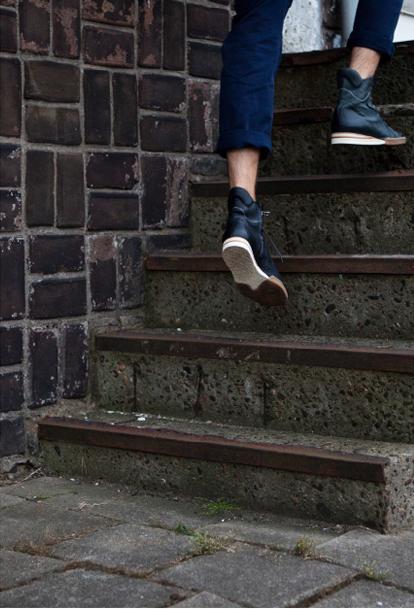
{"type": "Point", "coordinates": [327, 264]}
{"type": "Point", "coordinates": [293, 458]}
{"type": "Point", "coordinates": [390, 181]}
{"type": "Point", "coordinates": [302, 116]}
{"type": "Point", "coordinates": [193, 345]}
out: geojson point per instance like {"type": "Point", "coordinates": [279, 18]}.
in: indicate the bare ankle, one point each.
{"type": "Point", "coordinates": [243, 166]}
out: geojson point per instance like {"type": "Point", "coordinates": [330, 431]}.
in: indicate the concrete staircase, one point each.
{"type": "Point", "coordinates": [307, 410]}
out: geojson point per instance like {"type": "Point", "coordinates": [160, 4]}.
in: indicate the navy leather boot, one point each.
{"type": "Point", "coordinates": [356, 119]}
{"type": "Point", "coordinates": [246, 254]}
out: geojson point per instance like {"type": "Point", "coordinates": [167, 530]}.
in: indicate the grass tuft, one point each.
{"type": "Point", "coordinates": [304, 547]}
{"type": "Point", "coordinates": [221, 506]}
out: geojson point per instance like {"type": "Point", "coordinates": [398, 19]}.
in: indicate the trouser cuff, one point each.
{"type": "Point", "coordinates": [371, 40]}
{"type": "Point", "coordinates": [240, 138]}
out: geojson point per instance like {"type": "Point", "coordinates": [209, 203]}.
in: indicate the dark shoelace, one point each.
{"type": "Point", "coordinates": [266, 214]}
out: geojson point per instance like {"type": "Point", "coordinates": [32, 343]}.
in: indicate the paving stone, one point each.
{"type": "Point", "coordinates": [206, 599]}
{"type": "Point", "coordinates": [367, 594]}
{"type": "Point", "coordinates": [17, 568]}
{"type": "Point", "coordinates": [256, 577]}
{"type": "Point", "coordinates": [6, 499]}
{"type": "Point", "coordinates": [389, 556]}
{"type": "Point", "coordinates": [152, 510]}
{"type": "Point", "coordinates": [284, 536]}
{"type": "Point", "coordinates": [36, 523]}
{"type": "Point", "coordinates": [131, 547]}
{"type": "Point", "coordinates": [79, 588]}
{"type": "Point", "coordinates": [49, 486]}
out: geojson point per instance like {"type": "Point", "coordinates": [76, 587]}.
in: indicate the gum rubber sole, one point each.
{"type": "Point", "coordinates": [248, 276]}
{"type": "Point", "coordinates": [366, 140]}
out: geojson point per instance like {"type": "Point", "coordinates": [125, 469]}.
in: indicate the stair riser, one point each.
{"type": "Point", "coordinates": [321, 223]}
{"type": "Point", "coordinates": [306, 149]}
{"type": "Point", "coordinates": [315, 85]}
{"type": "Point", "coordinates": [324, 401]}
{"type": "Point", "coordinates": [369, 306]}
{"type": "Point", "coordinates": [337, 500]}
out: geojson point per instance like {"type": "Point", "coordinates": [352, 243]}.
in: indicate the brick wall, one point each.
{"type": "Point", "coordinates": [106, 109]}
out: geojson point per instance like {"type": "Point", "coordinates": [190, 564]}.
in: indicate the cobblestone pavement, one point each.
{"type": "Point", "coordinates": [73, 543]}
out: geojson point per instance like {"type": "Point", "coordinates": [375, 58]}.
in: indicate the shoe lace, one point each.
{"type": "Point", "coordinates": [265, 214]}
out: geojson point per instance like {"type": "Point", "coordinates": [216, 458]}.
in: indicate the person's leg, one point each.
{"type": "Point", "coordinates": [243, 165]}
{"type": "Point", "coordinates": [251, 55]}
{"type": "Point", "coordinates": [356, 119]}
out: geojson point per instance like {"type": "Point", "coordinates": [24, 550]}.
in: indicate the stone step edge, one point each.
{"type": "Point", "coordinates": [389, 181]}
{"type": "Point", "coordinates": [194, 262]}
{"type": "Point", "coordinates": [284, 117]}
{"type": "Point", "coordinates": [220, 449]}
{"type": "Point", "coordinates": [287, 352]}
{"type": "Point", "coordinates": [308, 58]}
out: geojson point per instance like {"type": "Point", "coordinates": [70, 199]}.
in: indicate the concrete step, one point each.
{"type": "Point", "coordinates": [327, 478]}
{"type": "Point", "coordinates": [302, 145]}
{"type": "Point", "coordinates": [348, 214]}
{"type": "Point", "coordinates": [362, 296]}
{"type": "Point", "coordinates": [309, 79]}
{"type": "Point", "coordinates": [343, 387]}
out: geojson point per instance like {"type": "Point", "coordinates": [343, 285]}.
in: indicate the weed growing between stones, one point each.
{"type": "Point", "coordinates": [206, 544]}
{"type": "Point", "coordinates": [370, 571]}
{"type": "Point", "coordinates": [304, 547]}
{"type": "Point", "coordinates": [221, 506]}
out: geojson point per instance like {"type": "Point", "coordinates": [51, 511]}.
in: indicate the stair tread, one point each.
{"type": "Point", "coordinates": [194, 261]}
{"type": "Point", "coordinates": [146, 421]}
{"type": "Point", "coordinates": [305, 453]}
{"type": "Point", "coordinates": [323, 114]}
{"type": "Point", "coordinates": [388, 181]}
{"type": "Point", "coordinates": [350, 353]}
{"type": "Point", "coordinates": [306, 58]}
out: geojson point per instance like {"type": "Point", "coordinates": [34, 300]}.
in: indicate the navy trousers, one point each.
{"type": "Point", "coordinates": [251, 55]}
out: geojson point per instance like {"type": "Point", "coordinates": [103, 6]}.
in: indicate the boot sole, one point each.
{"type": "Point", "coordinates": [366, 140]}
{"type": "Point", "coordinates": [249, 277]}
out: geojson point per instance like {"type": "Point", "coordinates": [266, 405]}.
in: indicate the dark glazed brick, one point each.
{"type": "Point", "coordinates": [207, 23]}
{"type": "Point", "coordinates": [12, 278]}
{"type": "Point", "coordinates": [51, 81]}
{"type": "Point", "coordinates": [112, 170]}
{"type": "Point", "coordinates": [57, 298]}
{"type": "Point", "coordinates": [10, 3]}
{"type": "Point", "coordinates": [154, 180]}
{"type": "Point", "coordinates": [203, 113]}
{"type": "Point", "coordinates": [44, 367]}
{"type": "Point", "coordinates": [177, 192]}
{"type": "Point", "coordinates": [12, 437]}
{"type": "Point", "coordinates": [205, 60]}
{"type": "Point", "coordinates": [11, 346]}
{"type": "Point", "coordinates": [174, 35]}
{"type": "Point", "coordinates": [34, 25]}
{"type": "Point", "coordinates": [70, 191]}
{"type": "Point", "coordinates": [162, 133]}
{"type": "Point", "coordinates": [125, 101]}
{"type": "Point", "coordinates": [150, 33]}
{"type": "Point", "coordinates": [113, 211]}
{"type": "Point", "coordinates": [118, 12]}
{"type": "Point", "coordinates": [108, 47]}
{"type": "Point", "coordinates": [130, 272]}
{"type": "Point", "coordinates": [53, 125]}
{"type": "Point", "coordinates": [10, 157]}
{"type": "Point", "coordinates": [8, 32]}
{"type": "Point", "coordinates": [11, 391]}
{"type": "Point", "coordinates": [76, 361]}
{"type": "Point", "coordinates": [66, 28]}
{"type": "Point", "coordinates": [56, 253]}
{"type": "Point", "coordinates": [39, 188]}
{"type": "Point", "coordinates": [97, 107]}
{"type": "Point", "coordinates": [159, 92]}
{"type": "Point", "coordinates": [103, 273]}
{"type": "Point", "coordinates": [10, 211]}
{"type": "Point", "coordinates": [10, 95]}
